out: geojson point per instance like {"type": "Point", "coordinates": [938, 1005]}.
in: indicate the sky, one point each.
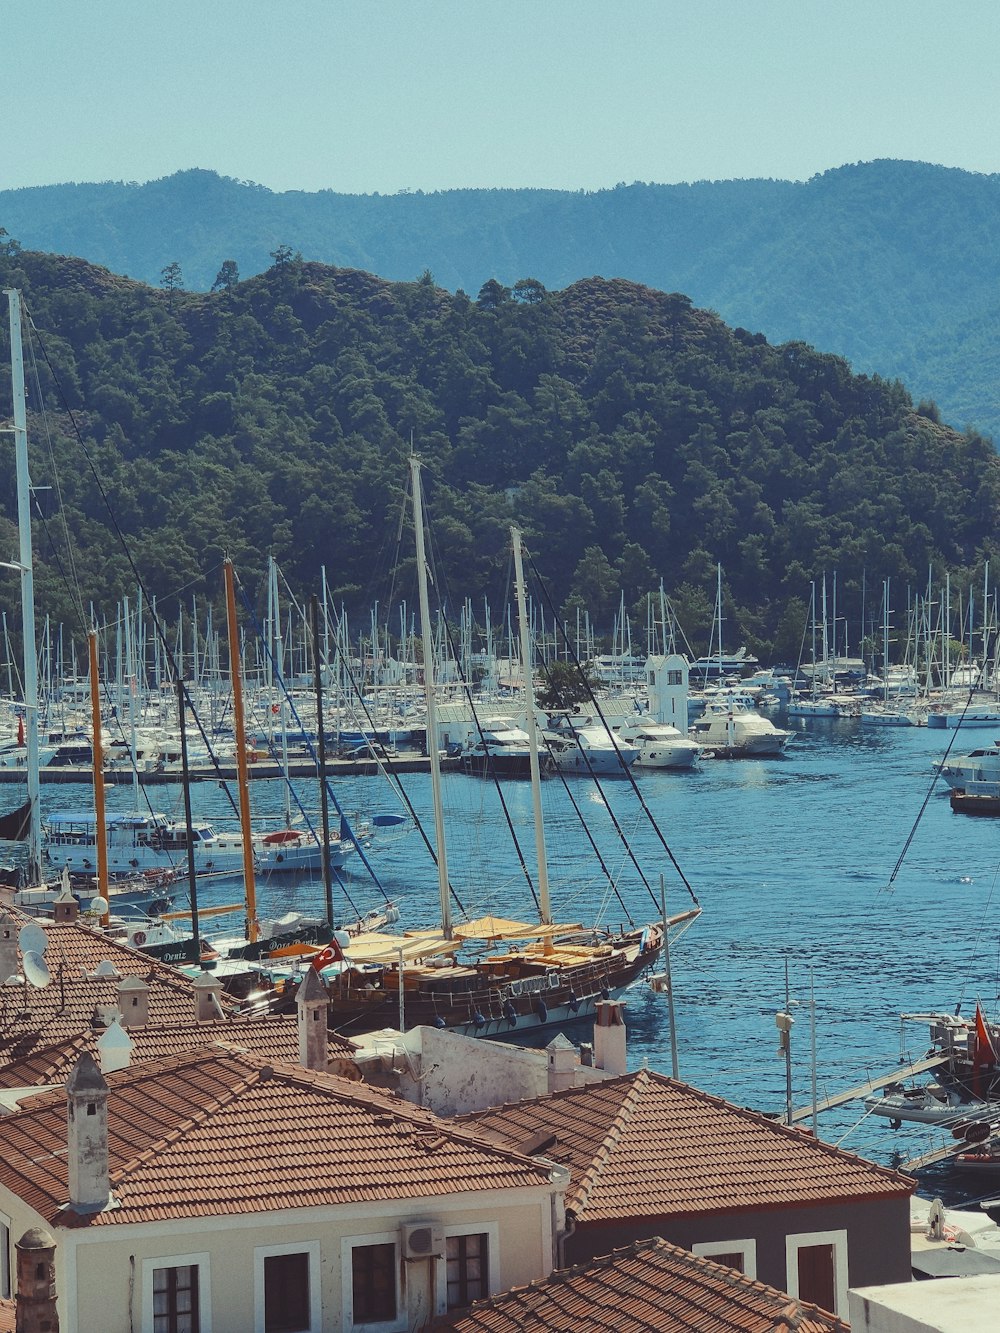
{"type": "Point", "coordinates": [385, 95]}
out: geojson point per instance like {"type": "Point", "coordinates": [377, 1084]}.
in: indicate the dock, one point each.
{"type": "Point", "coordinates": [873, 1085]}
{"type": "Point", "coordinates": [258, 770]}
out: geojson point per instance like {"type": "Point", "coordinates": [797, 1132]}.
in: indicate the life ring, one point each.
{"type": "Point", "coordinates": [139, 938]}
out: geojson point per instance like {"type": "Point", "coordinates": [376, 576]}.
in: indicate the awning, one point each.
{"type": "Point", "coordinates": [376, 947]}
{"type": "Point", "coordinates": [500, 928]}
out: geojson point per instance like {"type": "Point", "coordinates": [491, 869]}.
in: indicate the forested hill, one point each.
{"type": "Point", "coordinates": [895, 265]}
{"type": "Point", "coordinates": [633, 436]}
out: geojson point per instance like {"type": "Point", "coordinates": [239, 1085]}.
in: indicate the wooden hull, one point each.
{"type": "Point", "coordinates": [504, 996]}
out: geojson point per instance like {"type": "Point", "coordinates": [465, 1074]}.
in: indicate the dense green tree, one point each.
{"type": "Point", "coordinates": [227, 277]}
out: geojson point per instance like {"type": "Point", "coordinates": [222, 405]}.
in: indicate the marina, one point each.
{"type": "Point", "coordinates": [791, 858]}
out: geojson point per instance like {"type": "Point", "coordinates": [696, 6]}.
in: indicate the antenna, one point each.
{"type": "Point", "coordinates": [98, 906]}
{"type": "Point", "coordinates": [32, 938]}
{"type": "Point", "coordinates": [36, 971]}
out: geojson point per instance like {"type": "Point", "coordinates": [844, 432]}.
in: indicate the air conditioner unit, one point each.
{"type": "Point", "coordinates": [422, 1240]}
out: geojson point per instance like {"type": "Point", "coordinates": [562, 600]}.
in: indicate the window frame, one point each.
{"type": "Point", "coordinates": [708, 1249]}
{"type": "Point", "coordinates": [347, 1247]}
{"type": "Point", "coordinates": [262, 1252]}
{"type": "Point", "coordinates": [803, 1240]}
{"type": "Point", "coordinates": [6, 1266]}
{"type": "Point", "coordinates": [202, 1263]}
{"type": "Point", "coordinates": [491, 1230]}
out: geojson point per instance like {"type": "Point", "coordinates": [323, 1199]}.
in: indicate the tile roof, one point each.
{"type": "Point", "coordinates": [31, 1019]}
{"type": "Point", "coordinates": [643, 1145]}
{"type": "Point", "coordinates": [650, 1285]}
{"type": "Point", "coordinates": [273, 1038]}
{"type": "Point", "coordinates": [214, 1132]}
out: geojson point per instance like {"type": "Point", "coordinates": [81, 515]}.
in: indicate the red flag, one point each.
{"type": "Point", "coordinates": [984, 1052]}
{"type": "Point", "coordinates": [20, 729]}
{"type": "Point", "coordinates": [333, 953]}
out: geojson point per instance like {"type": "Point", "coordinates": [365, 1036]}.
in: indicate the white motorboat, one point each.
{"type": "Point", "coordinates": [291, 850]}
{"type": "Point", "coordinates": [497, 748]}
{"type": "Point", "coordinates": [137, 841]}
{"type": "Point", "coordinates": [588, 748]}
{"type": "Point", "coordinates": [732, 731]}
{"type": "Point", "coordinates": [659, 744]}
{"type": "Point", "coordinates": [980, 765]}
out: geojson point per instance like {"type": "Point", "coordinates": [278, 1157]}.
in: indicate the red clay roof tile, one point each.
{"type": "Point", "coordinates": [643, 1145]}
{"type": "Point", "coordinates": [646, 1286]}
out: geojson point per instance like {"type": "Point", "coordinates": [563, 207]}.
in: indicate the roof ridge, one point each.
{"type": "Point", "coordinates": [639, 1081]}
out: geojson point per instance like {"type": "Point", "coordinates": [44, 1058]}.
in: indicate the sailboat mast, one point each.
{"type": "Point", "coordinates": [432, 728]}
{"type": "Point", "coordinates": [97, 759]}
{"type": "Point", "coordinates": [241, 753]}
{"type": "Point", "coordinates": [531, 726]}
{"type": "Point", "coordinates": [34, 867]}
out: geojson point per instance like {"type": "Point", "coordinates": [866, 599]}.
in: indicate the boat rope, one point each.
{"type": "Point", "coordinates": [345, 823]}
{"type": "Point", "coordinates": [571, 653]}
{"type": "Point", "coordinates": [887, 887]}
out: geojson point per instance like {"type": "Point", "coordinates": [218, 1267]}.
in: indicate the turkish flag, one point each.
{"type": "Point", "coordinates": [333, 953]}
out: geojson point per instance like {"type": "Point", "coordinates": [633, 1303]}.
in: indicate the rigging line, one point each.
{"type": "Point", "coordinates": [491, 766]}
{"type": "Point", "coordinates": [72, 582]}
{"type": "Point", "coordinates": [607, 806]}
{"type": "Point", "coordinates": [628, 772]}
{"type": "Point", "coordinates": [116, 528]}
{"type": "Point", "coordinates": [887, 887]}
{"type": "Point", "coordinates": [396, 777]}
{"type": "Point", "coordinates": [315, 757]}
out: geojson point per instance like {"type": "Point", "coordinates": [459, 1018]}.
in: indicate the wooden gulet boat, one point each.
{"type": "Point", "coordinates": [489, 977]}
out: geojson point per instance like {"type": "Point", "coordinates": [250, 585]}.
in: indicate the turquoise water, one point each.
{"type": "Point", "coordinates": [790, 858]}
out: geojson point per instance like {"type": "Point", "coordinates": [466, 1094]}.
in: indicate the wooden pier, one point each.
{"type": "Point", "coordinates": [873, 1085]}
{"type": "Point", "coordinates": [261, 769]}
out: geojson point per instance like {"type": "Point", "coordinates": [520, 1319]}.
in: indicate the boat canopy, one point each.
{"type": "Point", "coordinates": [376, 947]}
{"type": "Point", "coordinates": [499, 928]}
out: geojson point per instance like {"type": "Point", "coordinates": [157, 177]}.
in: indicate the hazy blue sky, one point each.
{"type": "Point", "coordinates": [363, 95]}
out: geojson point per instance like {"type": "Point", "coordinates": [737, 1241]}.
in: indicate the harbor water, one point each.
{"type": "Point", "coordinates": [792, 860]}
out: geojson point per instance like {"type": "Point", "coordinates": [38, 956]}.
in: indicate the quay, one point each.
{"type": "Point", "coordinates": [257, 769]}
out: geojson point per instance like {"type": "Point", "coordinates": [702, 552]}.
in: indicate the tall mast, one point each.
{"type": "Point", "coordinates": [97, 761]}
{"type": "Point", "coordinates": [432, 729]}
{"type": "Point", "coordinates": [241, 753]}
{"type": "Point", "coordinates": [531, 726]}
{"type": "Point", "coordinates": [27, 587]}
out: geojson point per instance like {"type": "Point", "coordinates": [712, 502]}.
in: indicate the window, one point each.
{"type": "Point", "coordinates": [286, 1288]}
{"type": "Point", "coordinates": [738, 1254]}
{"type": "Point", "coordinates": [175, 1299]}
{"type": "Point", "coordinates": [373, 1283]}
{"type": "Point", "coordinates": [5, 1286]}
{"type": "Point", "coordinates": [286, 1293]}
{"type": "Point", "coordinates": [371, 1278]}
{"type": "Point", "coordinates": [816, 1268]}
{"type": "Point", "coordinates": [468, 1269]}
{"type": "Point", "coordinates": [176, 1294]}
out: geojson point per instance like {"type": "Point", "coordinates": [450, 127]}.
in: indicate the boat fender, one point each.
{"type": "Point", "coordinates": [541, 1009]}
{"type": "Point", "coordinates": [280, 856]}
{"type": "Point", "coordinates": [573, 1004]}
{"type": "Point", "coordinates": [478, 1019]}
{"type": "Point", "coordinates": [439, 1022]}
{"type": "Point", "coordinates": [510, 1013]}
{"type": "Point", "coordinates": [605, 993]}
{"type": "Point", "coordinates": [134, 863]}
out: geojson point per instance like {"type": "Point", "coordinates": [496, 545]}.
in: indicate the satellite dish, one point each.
{"type": "Point", "coordinates": [32, 938]}
{"type": "Point", "coordinates": [35, 969]}
{"type": "Point", "coordinates": [99, 906]}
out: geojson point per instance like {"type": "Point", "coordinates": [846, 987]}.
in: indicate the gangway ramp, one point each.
{"type": "Point", "coordinates": [873, 1085]}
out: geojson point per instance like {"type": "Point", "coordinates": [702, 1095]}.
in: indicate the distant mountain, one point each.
{"type": "Point", "coordinates": [894, 265]}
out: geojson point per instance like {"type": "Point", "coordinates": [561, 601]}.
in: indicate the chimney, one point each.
{"type": "Point", "coordinates": [208, 1006]}
{"type": "Point", "coordinates": [562, 1063]}
{"type": "Point", "coordinates": [9, 965]}
{"type": "Point", "coordinates": [133, 1002]}
{"type": "Point", "coordinates": [313, 1004]}
{"type": "Point", "coordinates": [87, 1157]}
{"type": "Point", "coordinates": [609, 1037]}
{"type": "Point", "coordinates": [66, 908]}
{"type": "Point", "coordinates": [114, 1048]}
{"type": "Point", "coordinates": [35, 1306]}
